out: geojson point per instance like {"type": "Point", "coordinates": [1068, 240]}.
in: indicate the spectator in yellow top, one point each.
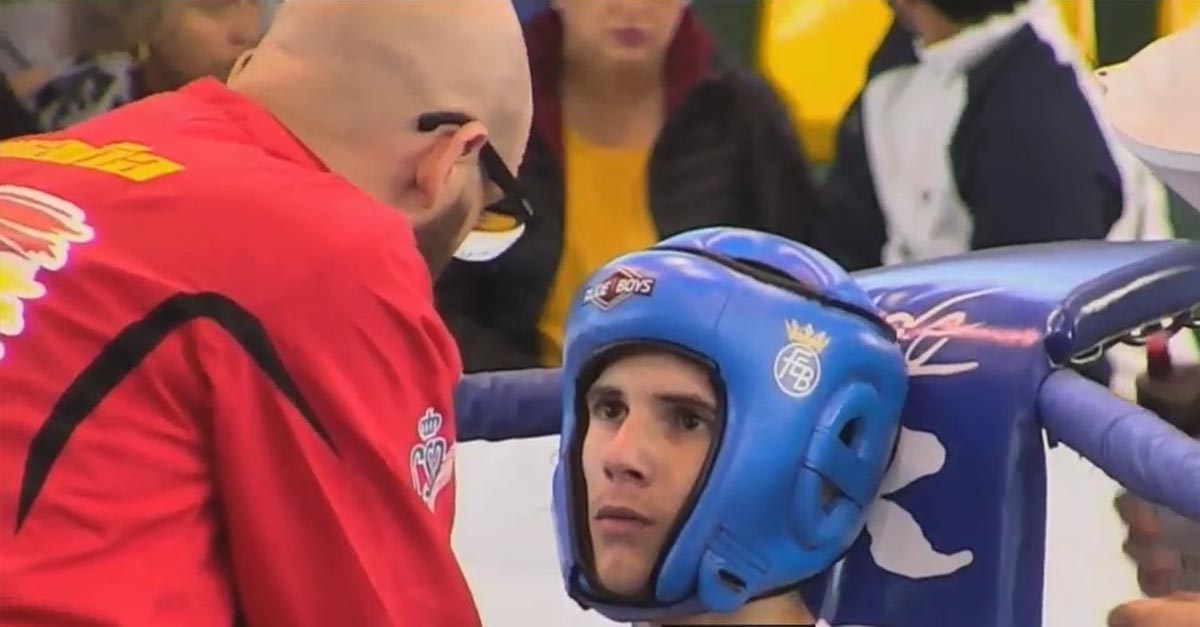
{"type": "Point", "coordinates": [641, 130]}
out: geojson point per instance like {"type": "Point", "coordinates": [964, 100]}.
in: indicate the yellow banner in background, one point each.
{"type": "Point", "coordinates": [1176, 15]}
{"type": "Point", "coordinates": [1080, 21]}
{"type": "Point", "coordinates": [815, 52]}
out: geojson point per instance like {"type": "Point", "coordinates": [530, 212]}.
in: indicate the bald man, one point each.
{"type": "Point", "coordinates": [225, 395]}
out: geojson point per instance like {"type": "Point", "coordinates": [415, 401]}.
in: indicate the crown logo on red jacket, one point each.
{"type": "Point", "coordinates": [429, 424]}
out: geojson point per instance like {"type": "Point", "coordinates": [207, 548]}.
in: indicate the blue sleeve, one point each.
{"type": "Point", "coordinates": [509, 405]}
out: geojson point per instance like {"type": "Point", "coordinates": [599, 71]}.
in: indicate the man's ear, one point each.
{"type": "Point", "coordinates": [240, 64]}
{"type": "Point", "coordinates": [449, 149]}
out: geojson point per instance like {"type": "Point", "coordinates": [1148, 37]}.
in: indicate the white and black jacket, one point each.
{"type": "Point", "coordinates": [987, 139]}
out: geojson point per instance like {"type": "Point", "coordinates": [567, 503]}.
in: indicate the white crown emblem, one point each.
{"type": "Point", "coordinates": [429, 424]}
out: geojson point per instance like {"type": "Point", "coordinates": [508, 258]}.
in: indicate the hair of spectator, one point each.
{"type": "Point", "coordinates": [971, 11]}
{"type": "Point", "coordinates": [102, 26]}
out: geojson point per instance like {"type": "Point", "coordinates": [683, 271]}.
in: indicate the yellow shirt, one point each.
{"type": "Point", "coordinates": [606, 214]}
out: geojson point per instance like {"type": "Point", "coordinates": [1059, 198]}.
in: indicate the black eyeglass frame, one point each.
{"type": "Point", "coordinates": [514, 203]}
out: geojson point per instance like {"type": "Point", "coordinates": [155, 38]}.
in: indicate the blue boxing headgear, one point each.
{"type": "Point", "coordinates": [811, 383]}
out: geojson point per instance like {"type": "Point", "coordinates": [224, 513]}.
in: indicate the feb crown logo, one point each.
{"type": "Point", "coordinates": [617, 288]}
{"type": "Point", "coordinates": [432, 458]}
{"type": "Point", "coordinates": [798, 364]}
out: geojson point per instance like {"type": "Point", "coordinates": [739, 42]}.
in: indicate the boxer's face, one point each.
{"type": "Point", "coordinates": [652, 419]}
{"type": "Point", "coordinates": [621, 31]}
{"type": "Point", "coordinates": [201, 38]}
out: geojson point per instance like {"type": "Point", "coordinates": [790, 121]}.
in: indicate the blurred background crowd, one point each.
{"type": "Point", "coordinates": [878, 131]}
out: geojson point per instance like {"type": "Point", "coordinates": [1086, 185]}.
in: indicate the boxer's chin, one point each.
{"type": "Point", "coordinates": [623, 569]}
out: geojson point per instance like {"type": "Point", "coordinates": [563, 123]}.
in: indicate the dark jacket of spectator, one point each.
{"type": "Point", "coordinates": [15, 119]}
{"type": "Point", "coordinates": [1027, 160]}
{"type": "Point", "coordinates": [727, 154]}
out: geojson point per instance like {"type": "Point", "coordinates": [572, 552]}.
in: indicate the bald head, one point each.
{"type": "Point", "coordinates": [350, 78]}
{"type": "Point", "coordinates": [377, 64]}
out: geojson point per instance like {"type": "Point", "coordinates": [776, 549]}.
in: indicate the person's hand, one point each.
{"type": "Point", "coordinates": [1181, 609]}
{"type": "Point", "coordinates": [1158, 566]}
{"type": "Point", "coordinates": [24, 83]}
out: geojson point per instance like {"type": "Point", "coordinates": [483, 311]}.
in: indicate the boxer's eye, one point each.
{"type": "Point", "coordinates": [688, 421]}
{"type": "Point", "coordinates": [686, 418]}
{"type": "Point", "coordinates": [607, 410]}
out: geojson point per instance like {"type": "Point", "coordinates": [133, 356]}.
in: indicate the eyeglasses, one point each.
{"type": "Point", "coordinates": [502, 223]}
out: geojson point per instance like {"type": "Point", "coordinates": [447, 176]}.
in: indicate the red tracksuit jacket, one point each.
{"type": "Point", "coordinates": [225, 395]}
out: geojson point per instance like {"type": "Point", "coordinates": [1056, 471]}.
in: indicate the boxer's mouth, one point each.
{"type": "Point", "coordinates": [617, 519]}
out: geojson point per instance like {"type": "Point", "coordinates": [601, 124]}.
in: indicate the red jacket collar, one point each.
{"type": "Point", "coordinates": [253, 119]}
{"type": "Point", "coordinates": [688, 60]}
